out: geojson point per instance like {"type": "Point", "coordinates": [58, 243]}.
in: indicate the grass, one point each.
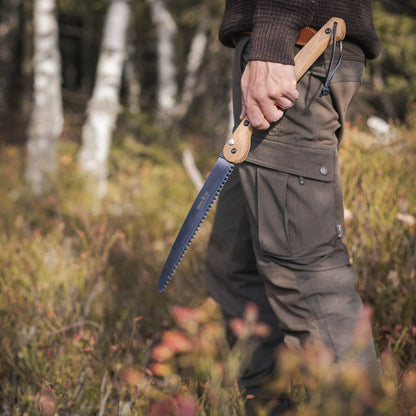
{"type": "Point", "coordinates": [84, 330]}
{"type": "Point", "coordinates": [380, 193]}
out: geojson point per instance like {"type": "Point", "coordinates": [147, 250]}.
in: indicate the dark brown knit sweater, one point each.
{"type": "Point", "coordinates": [275, 24]}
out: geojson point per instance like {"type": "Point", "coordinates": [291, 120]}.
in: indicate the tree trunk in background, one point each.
{"type": "Point", "coordinates": [379, 87]}
{"type": "Point", "coordinates": [167, 83]}
{"type": "Point", "coordinates": [46, 120]}
{"type": "Point", "coordinates": [195, 57]}
{"type": "Point", "coordinates": [103, 107]}
{"type": "Point", "coordinates": [9, 33]}
{"type": "Point", "coordinates": [133, 88]}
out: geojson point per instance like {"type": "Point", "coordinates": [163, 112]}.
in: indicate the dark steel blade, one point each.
{"type": "Point", "coordinates": [202, 204]}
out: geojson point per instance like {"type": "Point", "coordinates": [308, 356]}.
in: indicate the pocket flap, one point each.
{"type": "Point", "coordinates": [309, 161]}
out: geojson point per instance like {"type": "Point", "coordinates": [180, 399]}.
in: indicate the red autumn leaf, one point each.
{"type": "Point", "coordinates": [251, 312]}
{"type": "Point", "coordinates": [262, 330]}
{"type": "Point", "coordinates": [184, 316]}
{"type": "Point", "coordinates": [238, 327]}
{"type": "Point", "coordinates": [161, 369]}
{"type": "Point", "coordinates": [175, 405]}
{"type": "Point", "coordinates": [162, 352]}
{"type": "Point", "coordinates": [131, 376]}
{"type": "Point", "coordinates": [177, 341]}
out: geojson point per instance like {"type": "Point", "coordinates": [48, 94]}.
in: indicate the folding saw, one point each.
{"type": "Point", "coordinates": [236, 150]}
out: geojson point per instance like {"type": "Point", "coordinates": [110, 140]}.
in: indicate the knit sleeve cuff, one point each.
{"type": "Point", "coordinates": [273, 44]}
{"type": "Point", "coordinates": [276, 27]}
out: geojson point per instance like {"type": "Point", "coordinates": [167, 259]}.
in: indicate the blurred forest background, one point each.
{"type": "Point", "coordinates": [168, 60]}
{"type": "Point", "coordinates": [111, 114]}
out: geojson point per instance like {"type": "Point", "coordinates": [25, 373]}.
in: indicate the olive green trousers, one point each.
{"type": "Point", "coordinates": [277, 235]}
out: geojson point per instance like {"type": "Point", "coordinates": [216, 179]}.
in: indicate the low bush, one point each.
{"type": "Point", "coordinates": [84, 331]}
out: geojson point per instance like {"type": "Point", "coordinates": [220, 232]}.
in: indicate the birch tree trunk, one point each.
{"type": "Point", "coordinates": [169, 106]}
{"type": "Point", "coordinates": [46, 120]}
{"type": "Point", "coordinates": [166, 30]}
{"type": "Point", "coordinates": [103, 107]}
{"type": "Point", "coordinates": [195, 57]}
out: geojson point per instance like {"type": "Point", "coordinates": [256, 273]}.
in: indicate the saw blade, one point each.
{"type": "Point", "coordinates": [202, 204]}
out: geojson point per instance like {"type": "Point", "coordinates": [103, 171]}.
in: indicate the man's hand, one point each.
{"type": "Point", "coordinates": [268, 88]}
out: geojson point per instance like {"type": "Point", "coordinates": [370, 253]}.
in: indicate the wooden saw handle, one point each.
{"type": "Point", "coordinates": [238, 145]}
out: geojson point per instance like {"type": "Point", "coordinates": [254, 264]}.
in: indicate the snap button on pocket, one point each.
{"type": "Point", "coordinates": [324, 170]}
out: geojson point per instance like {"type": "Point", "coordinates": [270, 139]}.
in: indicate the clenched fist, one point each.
{"type": "Point", "coordinates": [268, 88]}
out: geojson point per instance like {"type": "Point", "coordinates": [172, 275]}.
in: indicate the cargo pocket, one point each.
{"type": "Point", "coordinates": [297, 215]}
{"type": "Point", "coordinates": [310, 210]}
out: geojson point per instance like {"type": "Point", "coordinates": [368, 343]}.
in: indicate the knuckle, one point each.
{"type": "Point", "coordinates": [259, 123]}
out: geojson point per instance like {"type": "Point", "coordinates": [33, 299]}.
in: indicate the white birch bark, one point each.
{"type": "Point", "coordinates": [194, 61]}
{"type": "Point", "coordinates": [167, 83]}
{"type": "Point", "coordinates": [47, 115]}
{"type": "Point", "coordinates": [103, 107]}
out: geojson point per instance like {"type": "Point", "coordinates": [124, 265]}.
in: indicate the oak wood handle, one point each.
{"type": "Point", "coordinates": [238, 145]}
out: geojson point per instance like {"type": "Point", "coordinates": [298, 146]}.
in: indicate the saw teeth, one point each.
{"type": "Point", "coordinates": [173, 269]}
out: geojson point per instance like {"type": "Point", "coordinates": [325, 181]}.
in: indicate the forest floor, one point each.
{"type": "Point", "coordinates": [84, 330]}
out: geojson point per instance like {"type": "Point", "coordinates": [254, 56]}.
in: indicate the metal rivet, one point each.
{"type": "Point", "coordinates": [231, 142]}
{"type": "Point", "coordinates": [233, 150]}
{"type": "Point", "coordinates": [246, 123]}
{"type": "Point", "coordinates": [328, 31]}
{"type": "Point", "coordinates": [324, 170]}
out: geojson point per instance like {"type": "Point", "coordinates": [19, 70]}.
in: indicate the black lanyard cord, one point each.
{"type": "Point", "coordinates": [325, 89]}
